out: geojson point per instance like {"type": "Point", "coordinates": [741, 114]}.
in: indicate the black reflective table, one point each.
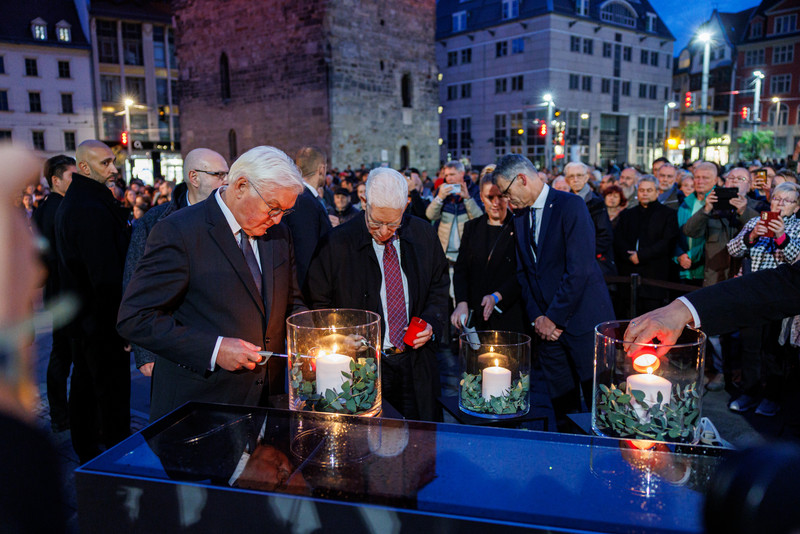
{"type": "Point", "coordinates": [219, 468]}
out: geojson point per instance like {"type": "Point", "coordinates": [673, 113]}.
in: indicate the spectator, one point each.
{"type": "Point", "coordinates": [740, 178]}
{"type": "Point", "coordinates": [628, 179]}
{"type": "Point", "coordinates": [416, 204]}
{"type": "Point", "coordinates": [342, 210]}
{"type": "Point", "coordinates": [615, 202]}
{"type": "Point", "coordinates": [605, 182]}
{"type": "Point", "coordinates": [560, 184]}
{"type": "Point", "coordinates": [669, 193]}
{"type": "Point", "coordinates": [687, 185]}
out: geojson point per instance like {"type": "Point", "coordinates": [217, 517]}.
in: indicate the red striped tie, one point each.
{"type": "Point", "coordinates": [395, 297]}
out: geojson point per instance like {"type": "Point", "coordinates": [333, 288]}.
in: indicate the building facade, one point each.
{"type": "Point", "coordinates": [357, 79]}
{"type": "Point", "coordinates": [45, 77]}
{"type": "Point", "coordinates": [606, 64]}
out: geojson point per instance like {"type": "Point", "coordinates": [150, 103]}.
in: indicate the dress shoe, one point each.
{"type": "Point", "coordinates": [743, 404]}
{"type": "Point", "coordinates": [768, 408]}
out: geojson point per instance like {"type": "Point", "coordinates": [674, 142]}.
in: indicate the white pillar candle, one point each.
{"type": "Point", "coordinates": [496, 382]}
{"type": "Point", "coordinates": [651, 385]}
{"type": "Point", "coordinates": [329, 372]}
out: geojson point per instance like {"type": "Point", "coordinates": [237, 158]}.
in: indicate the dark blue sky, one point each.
{"type": "Point", "coordinates": [683, 17]}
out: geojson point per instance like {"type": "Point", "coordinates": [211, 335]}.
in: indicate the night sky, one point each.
{"type": "Point", "coordinates": [683, 17]}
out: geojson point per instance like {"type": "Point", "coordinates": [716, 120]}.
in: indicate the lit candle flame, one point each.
{"type": "Point", "coordinates": [646, 362]}
{"type": "Point", "coordinates": [497, 363]}
{"type": "Point", "coordinates": [334, 348]}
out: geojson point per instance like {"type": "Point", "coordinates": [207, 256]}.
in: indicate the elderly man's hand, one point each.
{"type": "Point", "coordinates": [664, 324]}
{"type": "Point", "coordinates": [423, 337]}
{"type": "Point", "coordinates": [740, 203]}
{"type": "Point", "coordinates": [235, 354]}
{"type": "Point", "coordinates": [147, 369]}
{"type": "Point", "coordinates": [546, 328]}
{"type": "Point", "coordinates": [711, 199]}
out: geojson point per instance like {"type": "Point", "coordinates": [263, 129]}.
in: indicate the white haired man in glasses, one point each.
{"type": "Point", "coordinates": [214, 287]}
{"type": "Point", "coordinates": [391, 263]}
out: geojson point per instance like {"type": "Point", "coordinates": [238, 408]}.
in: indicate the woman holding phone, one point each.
{"type": "Point", "coordinates": [769, 240]}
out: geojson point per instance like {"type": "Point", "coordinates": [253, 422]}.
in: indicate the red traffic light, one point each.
{"type": "Point", "coordinates": [688, 99]}
{"type": "Point", "coordinates": [745, 113]}
{"type": "Point", "coordinates": [124, 138]}
{"type": "Point", "coordinates": [543, 129]}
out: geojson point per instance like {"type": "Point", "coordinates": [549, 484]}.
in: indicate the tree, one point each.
{"type": "Point", "coordinates": [753, 144]}
{"type": "Point", "coordinates": [700, 133]}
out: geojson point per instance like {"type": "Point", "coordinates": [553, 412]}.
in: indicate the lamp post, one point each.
{"type": "Point", "coordinates": [668, 106]}
{"type": "Point", "coordinates": [757, 100]}
{"type": "Point", "coordinates": [584, 117]}
{"type": "Point", "coordinates": [128, 103]}
{"type": "Point", "coordinates": [548, 138]}
{"type": "Point", "coordinates": [705, 38]}
{"type": "Point", "coordinates": [777, 102]}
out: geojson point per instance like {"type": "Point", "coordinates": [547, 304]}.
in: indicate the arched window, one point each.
{"type": "Point", "coordinates": [405, 90]}
{"type": "Point", "coordinates": [224, 77]}
{"type": "Point", "coordinates": [619, 12]}
{"type": "Point", "coordinates": [404, 159]}
{"type": "Point", "coordinates": [232, 145]}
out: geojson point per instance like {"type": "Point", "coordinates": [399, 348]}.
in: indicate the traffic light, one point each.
{"type": "Point", "coordinates": [124, 139]}
{"type": "Point", "coordinates": [543, 129]}
{"type": "Point", "coordinates": [745, 113]}
{"type": "Point", "coordinates": [688, 99]}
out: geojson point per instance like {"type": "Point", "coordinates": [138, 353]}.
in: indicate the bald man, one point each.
{"type": "Point", "coordinates": [203, 171]}
{"type": "Point", "coordinates": [92, 237]}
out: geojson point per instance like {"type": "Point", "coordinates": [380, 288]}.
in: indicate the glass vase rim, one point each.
{"type": "Point", "coordinates": [525, 337]}
{"type": "Point", "coordinates": [700, 340]}
{"type": "Point", "coordinates": [373, 318]}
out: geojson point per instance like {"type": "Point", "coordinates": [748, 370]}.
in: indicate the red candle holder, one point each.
{"type": "Point", "coordinates": [416, 326]}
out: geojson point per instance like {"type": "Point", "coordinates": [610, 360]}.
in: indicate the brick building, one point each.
{"type": "Point", "coordinates": [358, 79]}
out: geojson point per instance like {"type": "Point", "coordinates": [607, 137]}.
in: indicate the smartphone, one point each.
{"type": "Point", "coordinates": [766, 217]}
{"type": "Point", "coordinates": [760, 178]}
{"type": "Point", "coordinates": [455, 189]}
{"type": "Point", "coordinates": [724, 196]}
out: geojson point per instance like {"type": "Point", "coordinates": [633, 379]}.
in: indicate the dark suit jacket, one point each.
{"type": "Point", "coordinates": [308, 223]}
{"type": "Point", "coordinates": [564, 281]}
{"type": "Point", "coordinates": [749, 300]}
{"type": "Point", "coordinates": [604, 234]}
{"type": "Point", "coordinates": [345, 274]}
{"type": "Point", "coordinates": [192, 285]}
{"type": "Point", "coordinates": [485, 265]}
{"type": "Point", "coordinates": [45, 219]}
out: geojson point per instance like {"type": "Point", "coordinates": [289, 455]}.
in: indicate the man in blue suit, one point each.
{"type": "Point", "coordinates": [562, 286]}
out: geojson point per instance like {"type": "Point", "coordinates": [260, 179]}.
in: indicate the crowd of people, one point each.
{"type": "Point", "coordinates": [196, 278]}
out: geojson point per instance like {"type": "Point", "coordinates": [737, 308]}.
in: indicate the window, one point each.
{"type": "Point", "coordinates": [159, 50]}
{"type": "Point", "coordinates": [517, 83]}
{"type": "Point", "coordinates": [135, 89]}
{"type": "Point", "coordinates": [642, 90]}
{"type": "Point", "coordinates": [31, 68]}
{"type": "Point", "coordinates": [668, 61]}
{"type": "Point", "coordinates": [785, 24]}
{"type": "Point", "coordinates": [651, 22]}
{"type": "Point", "coordinates": [34, 102]}
{"type": "Point", "coordinates": [452, 59]}
{"type": "Point", "coordinates": [452, 134]}
{"type": "Point", "coordinates": [517, 132]}
{"type": "Point", "coordinates": [466, 133]}
{"type": "Point", "coordinates": [501, 49]}
{"type": "Point", "coordinates": [653, 92]}
{"type": "Point", "coordinates": [783, 114]}
{"type": "Point", "coordinates": [224, 77]}
{"type": "Point", "coordinates": [107, 51]}
{"type": "Point", "coordinates": [586, 83]}
{"type": "Point", "coordinates": [574, 44]}
{"type": "Point", "coordinates": [756, 29]}
{"type": "Point", "coordinates": [132, 43]}
{"type": "Point", "coordinates": [452, 92]}
{"type": "Point", "coordinates": [460, 21]}
{"type": "Point", "coordinates": [606, 49]}
{"type": "Point", "coordinates": [574, 81]}
{"type": "Point", "coordinates": [518, 46]}
{"type": "Point", "coordinates": [780, 83]}
{"type": "Point", "coordinates": [38, 140]}
{"type": "Point", "coordinates": [627, 53]}
{"type": "Point", "coordinates": [754, 57]}
{"type": "Point", "coordinates": [406, 90]}
{"type": "Point", "coordinates": [654, 59]}
{"type": "Point", "coordinates": [466, 56]}
{"type": "Point", "coordinates": [2, 65]}
{"type": "Point", "coordinates": [618, 13]}
{"type": "Point", "coordinates": [69, 140]}
{"type": "Point", "coordinates": [66, 103]}
{"type": "Point", "coordinates": [626, 88]}
{"type": "Point", "coordinates": [3, 100]}
{"type": "Point", "coordinates": [666, 93]}
{"type": "Point", "coordinates": [466, 90]}
{"type": "Point", "coordinates": [39, 29]}
{"type": "Point", "coordinates": [645, 57]}
{"type": "Point", "coordinates": [110, 88]}
{"type": "Point", "coordinates": [510, 9]}
{"type": "Point", "coordinates": [5, 135]}
{"type": "Point", "coordinates": [605, 85]}
{"type": "Point", "coordinates": [500, 85]}
{"type": "Point", "coordinates": [783, 54]}
{"type": "Point", "coordinates": [500, 133]}
{"type": "Point", "coordinates": [588, 46]}
{"type": "Point", "coordinates": [63, 69]}
{"type": "Point", "coordinates": [64, 32]}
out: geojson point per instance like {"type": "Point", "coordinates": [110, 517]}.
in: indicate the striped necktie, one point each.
{"type": "Point", "coordinates": [395, 297]}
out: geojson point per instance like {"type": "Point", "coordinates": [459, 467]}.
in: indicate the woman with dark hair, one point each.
{"type": "Point", "coordinates": [615, 202]}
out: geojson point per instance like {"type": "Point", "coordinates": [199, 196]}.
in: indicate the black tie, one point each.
{"type": "Point", "coordinates": [250, 258]}
{"type": "Point", "coordinates": [533, 228]}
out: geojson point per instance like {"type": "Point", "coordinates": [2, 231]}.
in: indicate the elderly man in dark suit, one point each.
{"type": "Point", "coordinates": [391, 264]}
{"type": "Point", "coordinates": [92, 238]}
{"type": "Point", "coordinates": [310, 220]}
{"type": "Point", "coordinates": [562, 286]}
{"type": "Point", "coordinates": [215, 286]}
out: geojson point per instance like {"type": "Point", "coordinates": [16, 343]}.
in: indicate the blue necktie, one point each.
{"type": "Point", "coordinates": [533, 228]}
{"type": "Point", "coordinates": [250, 258]}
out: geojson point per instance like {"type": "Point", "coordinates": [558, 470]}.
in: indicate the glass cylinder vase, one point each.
{"type": "Point", "coordinates": [495, 374]}
{"type": "Point", "coordinates": [334, 361]}
{"type": "Point", "coordinates": [647, 391]}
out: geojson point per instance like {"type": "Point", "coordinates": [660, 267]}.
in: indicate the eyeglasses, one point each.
{"type": "Point", "coordinates": [782, 201]}
{"type": "Point", "coordinates": [737, 179]}
{"type": "Point", "coordinates": [505, 191]}
{"type": "Point", "coordinates": [376, 225]}
{"type": "Point", "coordinates": [218, 174]}
{"type": "Point", "coordinates": [273, 212]}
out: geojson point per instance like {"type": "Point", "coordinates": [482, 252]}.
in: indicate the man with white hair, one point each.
{"type": "Point", "coordinates": [215, 286]}
{"type": "Point", "coordinates": [203, 171]}
{"type": "Point", "coordinates": [388, 262]}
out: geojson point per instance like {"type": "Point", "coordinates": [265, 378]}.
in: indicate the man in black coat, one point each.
{"type": "Point", "coordinates": [644, 242]}
{"type": "Point", "coordinates": [351, 269]}
{"type": "Point", "coordinates": [92, 237]}
{"type": "Point", "coordinates": [58, 173]}
{"type": "Point", "coordinates": [310, 221]}
{"type": "Point", "coordinates": [215, 286]}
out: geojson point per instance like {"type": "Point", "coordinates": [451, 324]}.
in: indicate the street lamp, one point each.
{"type": "Point", "coordinates": [548, 147]}
{"type": "Point", "coordinates": [128, 103]}
{"type": "Point", "coordinates": [757, 99]}
{"type": "Point", "coordinates": [668, 106]}
{"type": "Point", "coordinates": [777, 102]}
